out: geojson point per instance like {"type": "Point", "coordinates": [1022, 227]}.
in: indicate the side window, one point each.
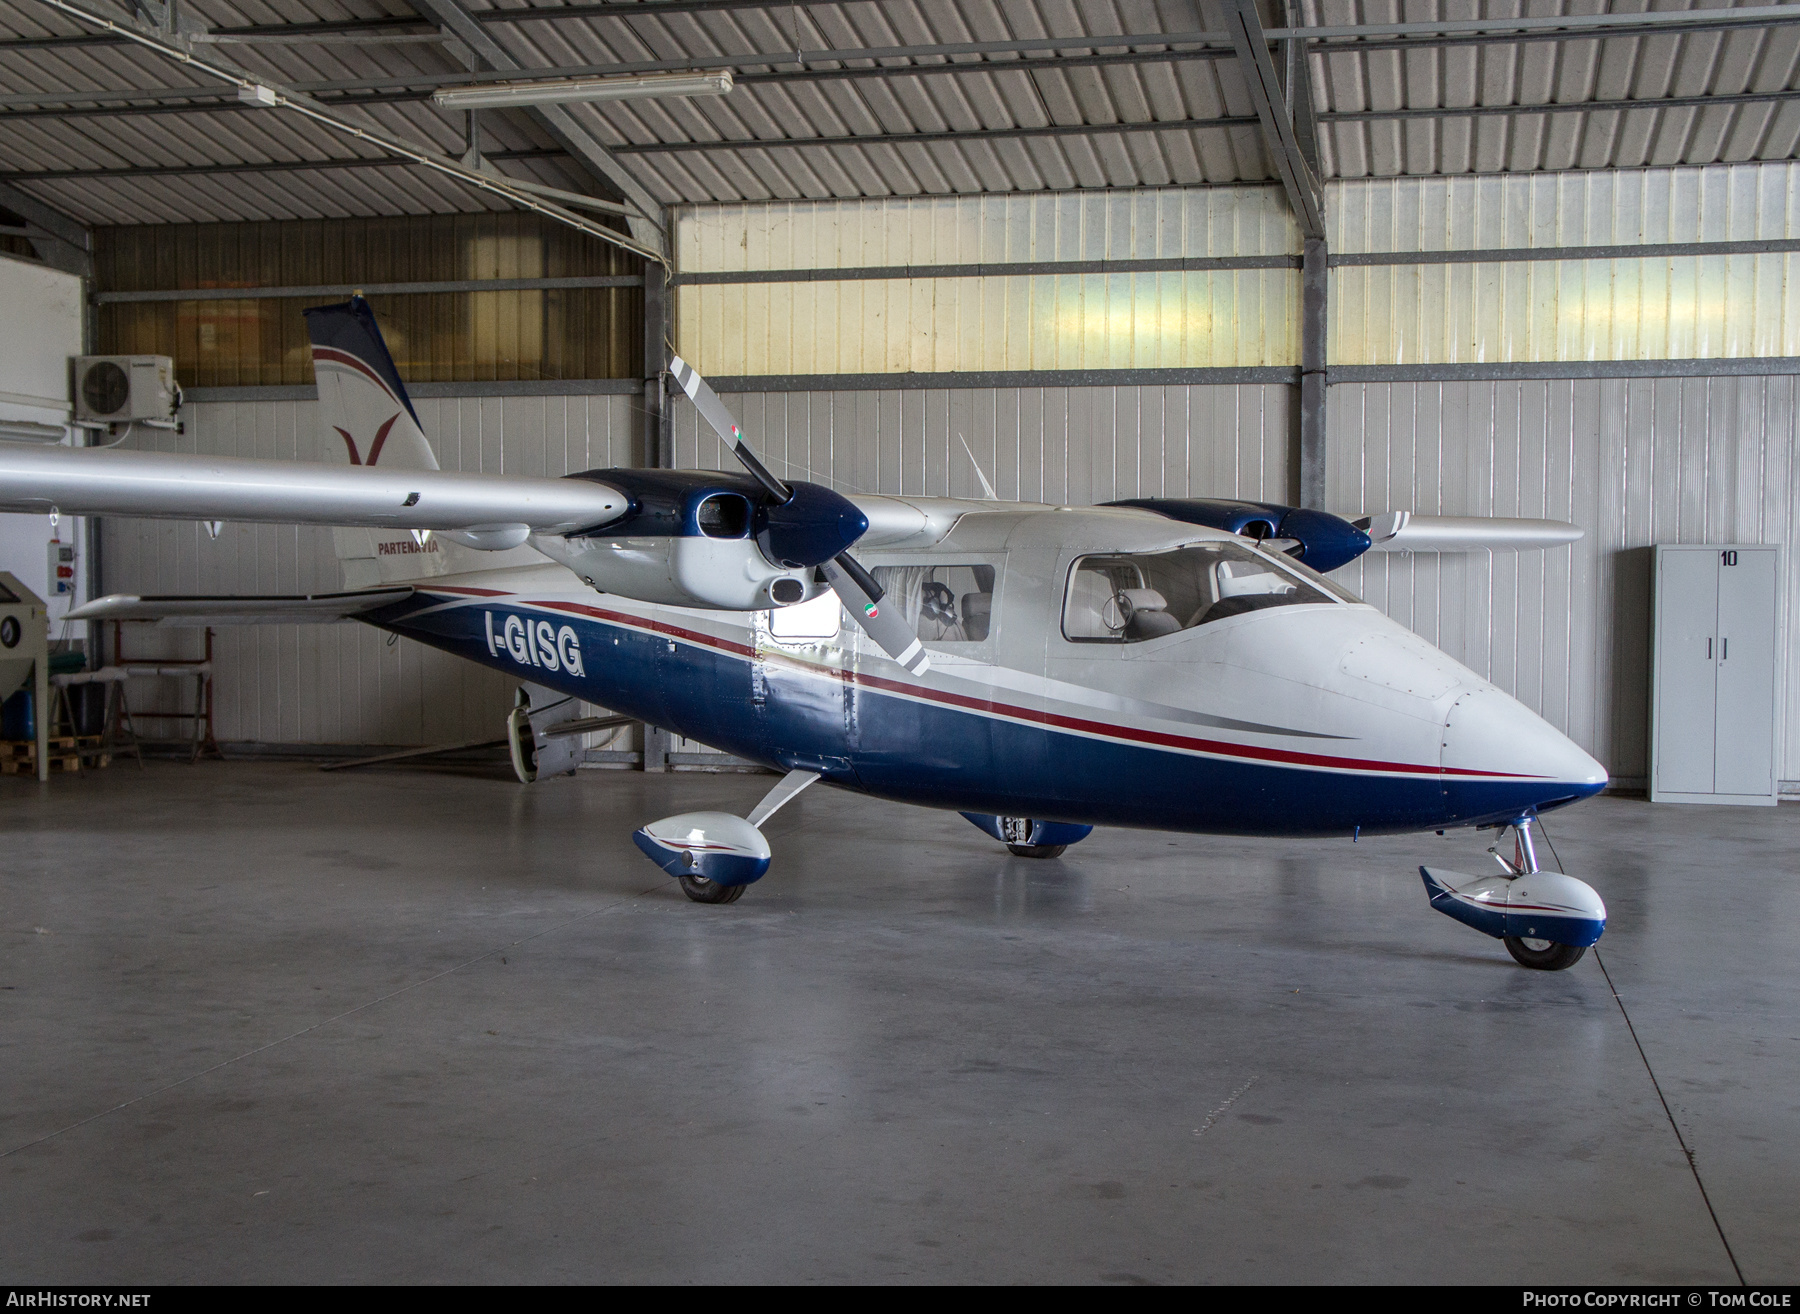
{"type": "Point", "coordinates": [941, 604]}
{"type": "Point", "coordinates": [1132, 597]}
{"type": "Point", "coordinates": [810, 621]}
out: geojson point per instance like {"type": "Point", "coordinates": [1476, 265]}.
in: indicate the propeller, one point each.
{"type": "Point", "coordinates": [809, 525]}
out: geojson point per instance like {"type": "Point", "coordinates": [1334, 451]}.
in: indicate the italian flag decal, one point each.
{"type": "Point", "coordinates": [870, 611]}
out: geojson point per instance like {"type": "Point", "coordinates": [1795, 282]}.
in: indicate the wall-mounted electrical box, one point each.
{"type": "Point", "coordinates": [59, 572]}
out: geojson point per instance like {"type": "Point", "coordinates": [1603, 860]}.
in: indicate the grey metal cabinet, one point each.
{"type": "Point", "coordinates": [1713, 672]}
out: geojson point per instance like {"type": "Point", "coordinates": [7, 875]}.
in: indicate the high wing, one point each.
{"type": "Point", "coordinates": [1405, 531]}
{"type": "Point", "coordinates": [281, 609]}
{"type": "Point", "coordinates": [912, 522]}
{"type": "Point", "coordinates": [161, 485]}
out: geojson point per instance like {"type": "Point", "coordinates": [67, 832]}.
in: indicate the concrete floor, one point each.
{"type": "Point", "coordinates": [265, 1024]}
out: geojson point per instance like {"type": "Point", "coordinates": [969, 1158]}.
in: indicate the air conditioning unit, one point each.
{"type": "Point", "coordinates": [119, 389]}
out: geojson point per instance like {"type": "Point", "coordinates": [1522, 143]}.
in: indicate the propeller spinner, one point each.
{"type": "Point", "coordinates": [810, 525]}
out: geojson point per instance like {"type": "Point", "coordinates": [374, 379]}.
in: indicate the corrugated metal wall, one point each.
{"type": "Point", "coordinates": [1660, 309]}
{"type": "Point", "coordinates": [338, 684]}
{"type": "Point", "coordinates": [1065, 445]}
{"type": "Point", "coordinates": [1633, 462]}
{"type": "Point", "coordinates": [568, 333]}
{"type": "Point", "coordinates": [1000, 322]}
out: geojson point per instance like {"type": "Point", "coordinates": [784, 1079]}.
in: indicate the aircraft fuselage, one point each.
{"type": "Point", "coordinates": [1314, 719]}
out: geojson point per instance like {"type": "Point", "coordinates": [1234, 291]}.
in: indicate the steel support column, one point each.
{"type": "Point", "coordinates": [1311, 483]}
{"type": "Point", "coordinates": [658, 436]}
{"type": "Point", "coordinates": [1284, 107]}
{"type": "Point", "coordinates": [1270, 97]}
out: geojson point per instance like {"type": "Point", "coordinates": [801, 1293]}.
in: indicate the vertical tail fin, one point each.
{"type": "Point", "coordinates": [366, 418]}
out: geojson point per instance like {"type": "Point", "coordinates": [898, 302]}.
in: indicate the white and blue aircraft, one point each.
{"type": "Point", "coordinates": [1178, 664]}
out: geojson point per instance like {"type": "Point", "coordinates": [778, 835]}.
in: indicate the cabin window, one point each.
{"type": "Point", "coordinates": [1131, 597]}
{"type": "Point", "coordinates": [941, 604]}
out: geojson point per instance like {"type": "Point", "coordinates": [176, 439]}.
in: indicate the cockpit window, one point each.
{"type": "Point", "coordinates": [1317, 580]}
{"type": "Point", "coordinates": [941, 604]}
{"type": "Point", "coordinates": [1131, 597]}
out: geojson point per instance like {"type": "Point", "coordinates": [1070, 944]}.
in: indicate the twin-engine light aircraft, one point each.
{"type": "Point", "coordinates": [1178, 664]}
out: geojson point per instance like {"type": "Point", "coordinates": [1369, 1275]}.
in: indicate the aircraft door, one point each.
{"type": "Point", "coordinates": [802, 695]}
{"type": "Point", "coordinates": [948, 736]}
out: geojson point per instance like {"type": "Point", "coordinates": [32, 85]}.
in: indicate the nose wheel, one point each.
{"type": "Point", "coordinates": [701, 890]}
{"type": "Point", "coordinates": [1546, 919]}
{"type": "Point", "coordinates": [1544, 955]}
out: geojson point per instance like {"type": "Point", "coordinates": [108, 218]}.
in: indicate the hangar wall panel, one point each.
{"type": "Point", "coordinates": [1064, 445]}
{"type": "Point", "coordinates": [1634, 462]}
{"type": "Point", "coordinates": [1632, 309]}
{"type": "Point", "coordinates": [337, 684]}
{"type": "Point", "coordinates": [998, 322]}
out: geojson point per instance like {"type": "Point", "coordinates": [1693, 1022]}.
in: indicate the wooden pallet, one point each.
{"type": "Point", "coordinates": [24, 766]}
{"type": "Point", "coordinates": [65, 753]}
{"type": "Point", "coordinates": [27, 748]}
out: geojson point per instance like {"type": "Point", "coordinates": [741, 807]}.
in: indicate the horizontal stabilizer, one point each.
{"type": "Point", "coordinates": [161, 485]}
{"type": "Point", "coordinates": [1403, 531]}
{"type": "Point", "coordinates": [290, 609]}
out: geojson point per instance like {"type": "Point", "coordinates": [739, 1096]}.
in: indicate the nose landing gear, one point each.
{"type": "Point", "coordinates": [1545, 919]}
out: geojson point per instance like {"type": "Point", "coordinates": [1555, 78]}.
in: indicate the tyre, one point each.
{"type": "Point", "coordinates": [1036, 850]}
{"type": "Point", "coordinates": [1544, 955]}
{"type": "Point", "coordinates": [701, 890]}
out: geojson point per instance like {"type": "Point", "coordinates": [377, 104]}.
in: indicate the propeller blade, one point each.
{"type": "Point", "coordinates": [862, 596]}
{"type": "Point", "coordinates": [713, 411]}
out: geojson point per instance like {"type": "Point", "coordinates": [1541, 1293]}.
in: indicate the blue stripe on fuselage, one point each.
{"type": "Point", "coordinates": [919, 751]}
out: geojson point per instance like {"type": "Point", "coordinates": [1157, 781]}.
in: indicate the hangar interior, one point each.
{"type": "Point", "coordinates": [417, 1023]}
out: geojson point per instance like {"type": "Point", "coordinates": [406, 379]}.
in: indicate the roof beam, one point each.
{"type": "Point", "coordinates": [175, 46]}
{"type": "Point", "coordinates": [268, 166]}
{"type": "Point", "coordinates": [1280, 138]}
{"type": "Point", "coordinates": [416, 87]}
{"type": "Point", "coordinates": [1046, 132]}
{"type": "Point", "coordinates": [1364, 37]}
{"type": "Point", "coordinates": [564, 128]}
{"type": "Point", "coordinates": [60, 241]}
{"type": "Point", "coordinates": [974, 57]}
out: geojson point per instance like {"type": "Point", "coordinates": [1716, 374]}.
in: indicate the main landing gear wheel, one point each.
{"type": "Point", "coordinates": [1016, 833]}
{"type": "Point", "coordinates": [701, 890]}
{"type": "Point", "coordinates": [1544, 955]}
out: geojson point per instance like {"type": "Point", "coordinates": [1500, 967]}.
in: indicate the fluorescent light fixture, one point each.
{"type": "Point", "coordinates": [29, 431]}
{"type": "Point", "coordinates": [557, 90]}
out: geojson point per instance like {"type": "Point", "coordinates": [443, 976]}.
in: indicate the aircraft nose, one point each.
{"type": "Point", "coordinates": [1487, 732]}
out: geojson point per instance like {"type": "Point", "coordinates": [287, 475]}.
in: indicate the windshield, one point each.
{"type": "Point", "coordinates": [1131, 597]}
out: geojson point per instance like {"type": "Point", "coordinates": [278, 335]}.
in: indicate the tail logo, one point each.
{"type": "Point", "coordinates": [374, 447]}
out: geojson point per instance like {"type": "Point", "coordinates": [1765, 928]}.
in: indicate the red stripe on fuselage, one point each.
{"type": "Point", "coordinates": [1056, 720]}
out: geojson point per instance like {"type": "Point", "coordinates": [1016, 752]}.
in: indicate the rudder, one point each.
{"type": "Point", "coordinates": [367, 418]}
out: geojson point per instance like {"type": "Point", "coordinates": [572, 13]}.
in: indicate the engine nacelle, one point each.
{"type": "Point", "coordinates": [1325, 541]}
{"type": "Point", "coordinates": [716, 845]}
{"type": "Point", "coordinates": [1541, 905]}
{"type": "Point", "coordinates": [722, 574]}
{"type": "Point", "coordinates": [704, 538]}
